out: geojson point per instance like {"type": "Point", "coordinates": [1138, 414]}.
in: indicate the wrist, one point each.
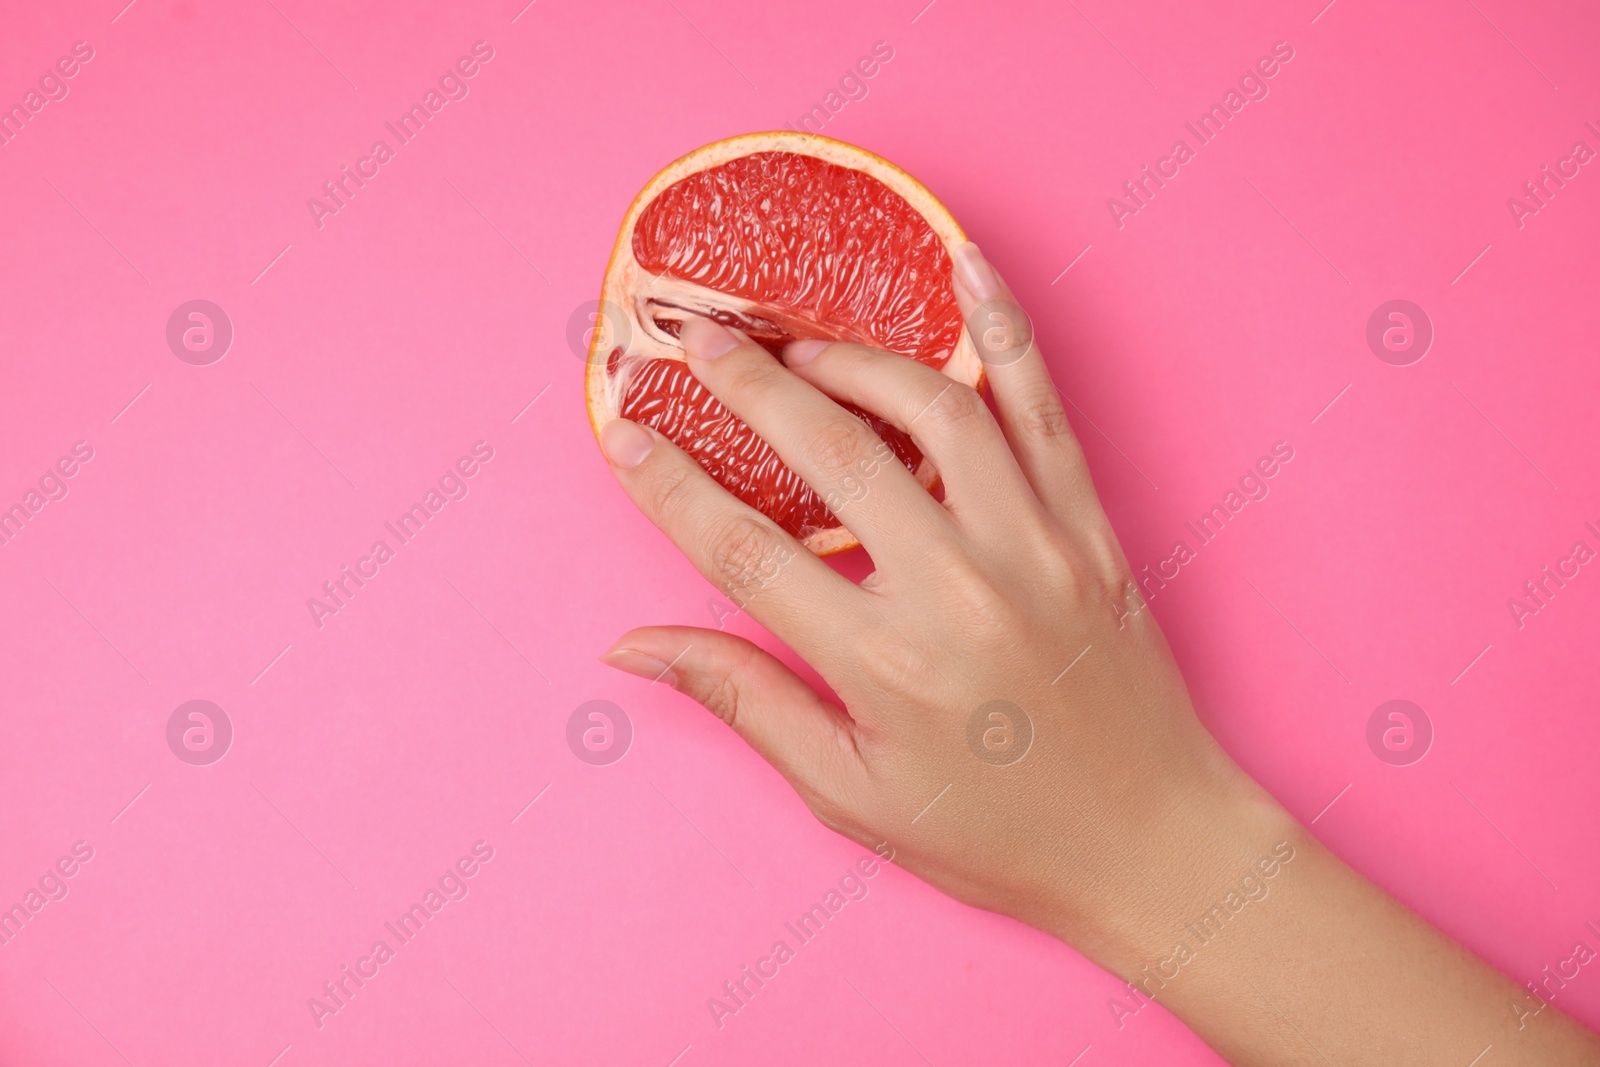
{"type": "Point", "coordinates": [1210, 860]}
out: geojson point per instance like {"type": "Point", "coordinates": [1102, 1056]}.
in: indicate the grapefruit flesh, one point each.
{"type": "Point", "coordinates": [782, 236]}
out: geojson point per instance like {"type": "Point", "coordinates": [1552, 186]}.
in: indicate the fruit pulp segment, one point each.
{"type": "Point", "coordinates": [665, 396]}
{"type": "Point", "coordinates": [816, 240]}
{"type": "Point", "coordinates": [801, 247]}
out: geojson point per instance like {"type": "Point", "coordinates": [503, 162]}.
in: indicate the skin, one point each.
{"type": "Point", "coordinates": [1092, 803]}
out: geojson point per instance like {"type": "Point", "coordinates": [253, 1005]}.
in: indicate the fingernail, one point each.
{"type": "Point", "coordinates": [640, 665]}
{"type": "Point", "coordinates": [975, 273]}
{"type": "Point", "coordinates": [799, 353]}
{"type": "Point", "coordinates": [705, 339]}
{"type": "Point", "coordinates": [625, 443]}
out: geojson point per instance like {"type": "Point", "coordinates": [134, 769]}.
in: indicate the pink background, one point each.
{"type": "Point", "coordinates": [372, 752]}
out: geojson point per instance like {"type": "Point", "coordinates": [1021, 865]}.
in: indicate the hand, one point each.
{"type": "Point", "coordinates": [1013, 724]}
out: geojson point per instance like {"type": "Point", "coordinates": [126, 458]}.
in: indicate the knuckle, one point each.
{"type": "Point", "coordinates": [1105, 558]}
{"type": "Point", "coordinates": [853, 359]}
{"type": "Point", "coordinates": [889, 664]}
{"type": "Point", "coordinates": [1125, 598]}
{"type": "Point", "coordinates": [1063, 566]}
{"type": "Point", "coordinates": [975, 599]}
{"type": "Point", "coordinates": [745, 554]}
{"type": "Point", "coordinates": [752, 375]}
{"type": "Point", "coordinates": [837, 444]}
{"type": "Point", "coordinates": [669, 492]}
{"type": "Point", "coordinates": [989, 618]}
{"type": "Point", "coordinates": [957, 405]}
{"type": "Point", "coordinates": [1072, 589]}
{"type": "Point", "coordinates": [1043, 416]}
{"type": "Point", "coordinates": [721, 697]}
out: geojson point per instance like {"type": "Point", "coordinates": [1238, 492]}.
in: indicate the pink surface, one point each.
{"type": "Point", "coordinates": [370, 353]}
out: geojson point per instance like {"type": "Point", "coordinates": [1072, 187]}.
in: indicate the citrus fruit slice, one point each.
{"type": "Point", "coordinates": [783, 236]}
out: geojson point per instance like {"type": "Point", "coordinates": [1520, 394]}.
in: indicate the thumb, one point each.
{"type": "Point", "coordinates": [803, 736]}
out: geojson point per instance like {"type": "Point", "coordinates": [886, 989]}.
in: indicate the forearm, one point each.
{"type": "Point", "coordinates": [1322, 967]}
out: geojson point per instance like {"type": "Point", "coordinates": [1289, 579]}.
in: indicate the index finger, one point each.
{"type": "Point", "coordinates": [755, 563]}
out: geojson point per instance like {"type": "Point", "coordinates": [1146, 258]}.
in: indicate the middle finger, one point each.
{"type": "Point", "coordinates": [835, 452]}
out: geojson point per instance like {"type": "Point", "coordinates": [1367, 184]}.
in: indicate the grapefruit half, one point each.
{"type": "Point", "coordinates": [784, 236]}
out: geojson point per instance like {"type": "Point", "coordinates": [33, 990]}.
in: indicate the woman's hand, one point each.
{"type": "Point", "coordinates": [1013, 725]}
{"type": "Point", "coordinates": [1011, 722]}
